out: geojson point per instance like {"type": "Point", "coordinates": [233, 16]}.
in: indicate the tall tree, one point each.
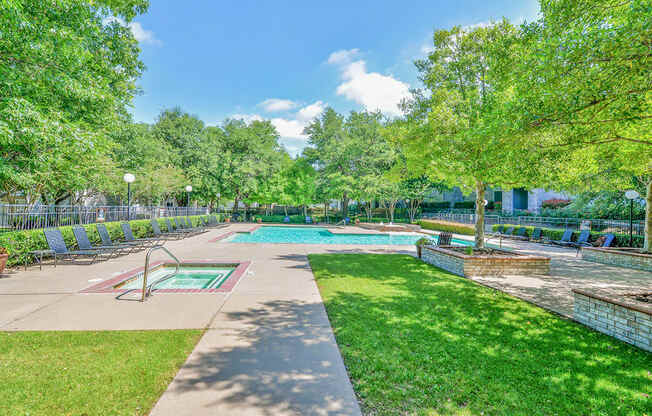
{"type": "Point", "coordinates": [583, 91]}
{"type": "Point", "coordinates": [67, 72]}
{"type": "Point", "coordinates": [455, 127]}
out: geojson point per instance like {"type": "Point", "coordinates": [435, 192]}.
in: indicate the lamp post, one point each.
{"type": "Point", "coordinates": [631, 195]}
{"type": "Point", "coordinates": [129, 178]}
{"type": "Point", "coordinates": [188, 191]}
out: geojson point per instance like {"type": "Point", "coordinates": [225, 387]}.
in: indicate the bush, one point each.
{"type": "Point", "coordinates": [621, 240]}
{"type": "Point", "coordinates": [464, 205]}
{"type": "Point", "coordinates": [20, 243]}
{"type": "Point", "coordinates": [454, 227]}
{"type": "Point", "coordinates": [426, 206]}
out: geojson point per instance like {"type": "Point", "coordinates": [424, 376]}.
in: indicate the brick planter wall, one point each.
{"type": "Point", "coordinates": [623, 257]}
{"type": "Point", "coordinates": [463, 265]}
{"type": "Point", "coordinates": [615, 316]}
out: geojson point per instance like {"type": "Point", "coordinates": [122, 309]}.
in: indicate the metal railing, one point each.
{"type": "Point", "coordinates": [147, 290]}
{"type": "Point", "coordinates": [611, 226]}
{"type": "Point", "coordinates": [27, 217]}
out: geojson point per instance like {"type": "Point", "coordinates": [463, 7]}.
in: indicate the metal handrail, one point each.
{"type": "Point", "coordinates": [148, 289]}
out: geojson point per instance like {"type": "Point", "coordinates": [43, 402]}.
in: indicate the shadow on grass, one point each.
{"type": "Point", "coordinates": [417, 339]}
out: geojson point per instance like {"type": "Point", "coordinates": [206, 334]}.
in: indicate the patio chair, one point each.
{"type": "Point", "coordinates": [84, 243]}
{"type": "Point", "coordinates": [172, 227]}
{"type": "Point", "coordinates": [188, 223]}
{"type": "Point", "coordinates": [181, 226]}
{"type": "Point", "coordinates": [308, 220]}
{"type": "Point", "coordinates": [565, 239]}
{"type": "Point", "coordinates": [608, 241]}
{"type": "Point", "coordinates": [147, 242]}
{"type": "Point", "coordinates": [508, 232]}
{"type": "Point", "coordinates": [582, 240]}
{"type": "Point", "coordinates": [166, 235]}
{"type": "Point", "coordinates": [521, 234]}
{"type": "Point", "coordinates": [59, 250]}
{"type": "Point", "coordinates": [536, 235]}
{"type": "Point", "coordinates": [445, 238]}
{"type": "Point", "coordinates": [129, 247]}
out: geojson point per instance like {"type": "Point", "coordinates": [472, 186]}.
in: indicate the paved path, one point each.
{"type": "Point", "coordinates": [268, 347]}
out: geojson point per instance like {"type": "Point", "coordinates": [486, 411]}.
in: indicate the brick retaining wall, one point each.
{"type": "Point", "coordinates": [622, 257]}
{"type": "Point", "coordinates": [464, 265]}
{"type": "Point", "coordinates": [614, 316]}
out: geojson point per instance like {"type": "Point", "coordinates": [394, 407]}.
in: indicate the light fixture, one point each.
{"type": "Point", "coordinates": [188, 188]}
{"type": "Point", "coordinates": [631, 194]}
{"type": "Point", "coordinates": [129, 177]}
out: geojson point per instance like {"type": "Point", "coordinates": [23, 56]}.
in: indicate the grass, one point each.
{"type": "Point", "coordinates": [419, 341]}
{"type": "Point", "coordinates": [89, 373]}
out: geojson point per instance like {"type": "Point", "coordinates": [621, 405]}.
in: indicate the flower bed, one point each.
{"type": "Point", "coordinates": [493, 262]}
{"type": "Point", "coordinates": [631, 258]}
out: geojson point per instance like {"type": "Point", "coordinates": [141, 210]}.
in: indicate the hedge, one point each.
{"type": "Point", "coordinates": [20, 243]}
{"type": "Point", "coordinates": [621, 240]}
{"type": "Point", "coordinates": [453, 227]}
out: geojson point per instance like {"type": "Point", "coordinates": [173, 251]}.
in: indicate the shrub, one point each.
{"type": "Point", "coordinates": [19, 243]}
{"type": "Point", "coordinates": [464, 205]}
{"type": "Point", "coordinates": [454, 227]}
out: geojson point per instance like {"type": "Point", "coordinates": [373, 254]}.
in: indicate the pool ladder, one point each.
{"type": "Point", "coordinates": [147, 290]}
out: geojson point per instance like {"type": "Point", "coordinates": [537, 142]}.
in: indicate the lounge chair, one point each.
{"type": "Point", "coordinates": [173, 227]}
{"type": "Point", "coordinates": [59, 250]}
{"type": "Point", "coordinates": [582, 240]}
{"type": "Point", "coordinates": [199, 226]}
{"type": "Point", "coordinates": [536, 235]}
{"type": "Point", "coordinates": [166, 235]}
{"type": "Point", "coordinates": [308, 220]}
{"type": "Point", "coordinates": [508, 232]}
{"type": "Point", "coordinates": [129, 247]}
{"type": "Point", "coordinates": [444, 238]}
{"type": "Point", "coordinates": [146, 241]}
{"type": "Point", "coordinates": [608, 240]}
{"type": "Point", "coordinates": [521, 234]}
{"type": "Point", "coordinates": [565, 239]}
{"type": "Point", "coordinates": [84, 243]}
{"type": "Point", "coordinates": [499, 231]}
{"type": "Point", "coordinates": [181, 226]}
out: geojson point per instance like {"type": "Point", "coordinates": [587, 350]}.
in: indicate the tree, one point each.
{"type": "Point", "coordinates": [301, 183]}
{"type": "Point", "coordinates": [67, 73]}
{"type": "Point", "coordinates": [454, 131]}
{"type": "Point", "coordinates": [583, 92]}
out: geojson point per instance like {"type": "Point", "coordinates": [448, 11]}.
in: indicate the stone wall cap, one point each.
{"type": "Point", "coordinates": [510, 255]}
{"type": "Point", "coordinates": [617, 299]}
{"type": "Point", "coordinates": [624, 251]}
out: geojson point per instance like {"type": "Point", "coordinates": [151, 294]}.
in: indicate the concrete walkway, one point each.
{"type": "Point", "coordinates": [268, 348]}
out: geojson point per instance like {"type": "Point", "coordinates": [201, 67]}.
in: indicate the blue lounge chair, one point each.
{"type": "Point", "coordinates": [146, 241]}
{"type": "Point", "coordinates": [308, 220]}
{"type": "Point", "coordinates": [59, 250]}
{"type": "Point", "coordinates": [565, 239]}
{"type": "Point", "coordinates": [84, 243]}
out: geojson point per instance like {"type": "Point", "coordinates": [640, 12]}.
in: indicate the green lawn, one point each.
{"type": "Point", "coordinates": [419, 341]}
{"type": "Point", "coordinates": [89, 373]}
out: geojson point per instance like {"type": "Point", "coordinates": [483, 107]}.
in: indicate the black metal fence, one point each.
{"type": "Point", "coordinates": [612, 226]}
{"type": "Point", "coordinates": [26, 217]}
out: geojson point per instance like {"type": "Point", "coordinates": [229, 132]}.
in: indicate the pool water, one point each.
{"type": "Point", "coordinates": [316, 235]}
{"type": "Point", "coordinates": [187, 278]}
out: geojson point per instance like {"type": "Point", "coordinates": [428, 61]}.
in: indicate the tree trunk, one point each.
{"type": "Point", "coordinates": [479, 214]}
{"type": "Point", "coordinates": [345, 206]}
{"type": "Point", "coordinates": [235, 205]}
{"type": "Point", "coordinates": [647, 245]}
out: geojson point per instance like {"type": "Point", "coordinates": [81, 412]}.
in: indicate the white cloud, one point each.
{"type": "Point", "coordinates": [373, 90]}
{"type": "Point", "coordinates": [311, 111]}
{"type": "Point", "coordinates": [141, 34]}
{"type": "Point", "coordinates": [276, 104]}
{"type": "Point", "coordinates": [289, 128]}
{"type": "Point", "coordinates": [342, 56]}
{"type": "Point", "coordinates": [247, 118]}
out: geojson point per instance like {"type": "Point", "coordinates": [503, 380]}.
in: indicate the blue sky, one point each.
{"type": "Point", "coordinates": [287, 60]}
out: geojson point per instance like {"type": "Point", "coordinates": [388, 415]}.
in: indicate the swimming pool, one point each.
{"type": "Point", "coordinates": [316, 235]}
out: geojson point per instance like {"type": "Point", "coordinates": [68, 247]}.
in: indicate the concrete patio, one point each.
{"type": "Point", "coordinates": [268, 348]}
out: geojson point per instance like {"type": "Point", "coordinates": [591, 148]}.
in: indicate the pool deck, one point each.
{"type": "Point", "coordinates": [268, 348]}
